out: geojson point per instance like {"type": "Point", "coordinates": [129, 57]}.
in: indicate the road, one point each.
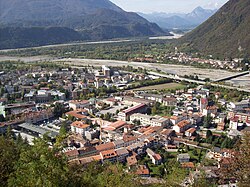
{"type": "Point", "coordinates": [68, 44]}
{"type": "Point", "coordinates": [198, 82]}
{"type": "Point", "coordinates": [175, 36]}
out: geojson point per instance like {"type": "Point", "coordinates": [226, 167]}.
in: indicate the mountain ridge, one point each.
{"type": "Point", "coordinates": [224, 34]}
{"type": "Point", "coordinates": [180, 20]}
{"type": "Point", "coordinates": [92, 19]}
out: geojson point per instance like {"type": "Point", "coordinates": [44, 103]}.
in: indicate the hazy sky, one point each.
{"type": "Point", "coordinates": [168, 6]}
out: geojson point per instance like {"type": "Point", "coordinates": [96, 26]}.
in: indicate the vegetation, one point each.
{"type": "Point", "coordinates": [238, 168]}
{"type": "Point", "coordinates": [96, 21]}
{"type": "Point", "coordinates": [233, 21]}
{"type": "Point", "coordinates": [41, 165]}
{"type": "Point", "coordinates": [30, 37]}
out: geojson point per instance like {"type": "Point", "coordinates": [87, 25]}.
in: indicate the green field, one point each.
{"type": "Point", "coordinates": [167, 86]}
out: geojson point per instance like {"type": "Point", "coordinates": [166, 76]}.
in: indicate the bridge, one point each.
{"type": "Point", "coordinates": [175, 77]}
{"type": "Point", "coordinates": [232, 76]}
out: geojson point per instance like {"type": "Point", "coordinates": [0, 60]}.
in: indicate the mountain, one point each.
{"type": "Point", "coordinates": [180, 20]}
{"type": "Point", "coordinates": [92, 19]}
{"type": "Point", "coordinates": [11, 37]}
{"type": "Point", "coordinates": [225, 34]}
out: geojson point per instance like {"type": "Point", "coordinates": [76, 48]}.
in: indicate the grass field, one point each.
{"type": "Point", "coordinates": [167, 86]}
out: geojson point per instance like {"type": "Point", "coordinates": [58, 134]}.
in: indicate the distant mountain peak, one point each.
{"type": "Point", "coordinates": [180, 20]}
{"type": "Point", "coordinates": [224, 31]}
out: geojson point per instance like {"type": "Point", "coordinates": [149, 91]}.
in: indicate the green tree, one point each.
{"type": "Point", "coordinates": [59, 109]}
{"type": "Point", "coordinates": [39, 166]}
{"type": "Point", "coordinates": [9, 154]}
{"type": "Point", "coordinates": [207, 121]}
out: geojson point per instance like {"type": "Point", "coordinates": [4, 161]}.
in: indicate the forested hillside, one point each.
{"type": "Point", "coordinates": [224, 34]}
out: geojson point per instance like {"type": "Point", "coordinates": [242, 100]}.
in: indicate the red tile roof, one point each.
{"type": "Point", "coordinates": [106, 146]}
{"type": "Point", "coordinates": [80, 124]}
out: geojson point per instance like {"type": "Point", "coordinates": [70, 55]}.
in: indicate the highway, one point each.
{"type": "Point", "coordinates": [175, 77]}
{"type": "Point", "coordinates": [232, 76]}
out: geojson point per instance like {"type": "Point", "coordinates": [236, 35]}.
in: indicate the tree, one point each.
{"type": "Point", "coordinates": [207, 121]}
{"type": "Point", "coordinates": [2, 119]}
{"type": "Point", "coordinates": [154, 110]}
{"type": "Point", "coordinates": [175, 174]}
{"type": "Point", "coordinates": [39, 166]}
{"type": "Point", "coordinates": [9, 133]}
{"type": "Point", "coordinates": [209, 134]}
{"type": "Point", "coordinates": [9, 154]}
{"type": "Point", "coordinates": [59, 109]}
{"type": "Point", "coordinates": [239, 165]}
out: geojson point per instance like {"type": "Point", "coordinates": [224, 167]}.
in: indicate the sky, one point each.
{"type": "Point", "coordinates": [167, 6]}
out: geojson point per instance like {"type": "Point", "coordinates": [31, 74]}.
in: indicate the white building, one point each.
{"type": "Point", "coordinates": [79, 127]}
{"type": "Point", "coordinates": [149, 120]}
{"type": "Point", "coordinates": [78, 104]}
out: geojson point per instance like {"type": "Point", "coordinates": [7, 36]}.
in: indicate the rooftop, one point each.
{"type": "Point", "coordinates": [80, 124]}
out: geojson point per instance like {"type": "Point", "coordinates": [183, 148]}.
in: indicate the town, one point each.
{"type": "Point", "coordinates": [108, 115]}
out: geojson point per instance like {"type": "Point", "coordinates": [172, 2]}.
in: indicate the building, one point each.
{"type": "Point", "coordinates": [79, 127]}
{"type": "Point", "coordinates": [105, 146]}
{"type": "Point", "coordinates": [142, 171]}
{"type": "Point", "coordinates": [106, 71]}
{"type": "Point", "coordinates": [108, 155]}
{"type": "Point", "coordinates": [238, 106]}
{"type": "Point", "coordinates": [122, 154]}
{"type": "Point", "coordinates": [182, 126]}
{"type": "Point", "coordinates": [156, 158]}
{"type": "Point", "coordinates": [176, 119]}
{"type": "Point", "coordinates": [169, 101]}
{"type": "Point", "coordinates": [136, 101]}
{"type": "Point", "coordinates": [80, 114]}
{"type": "Point", "coordinates": [118, 125]}
{"type": "Point", "coordinates": [125, 114]}
{"type": "Point", "coordinates": [146, 120]}
{"type": "Point", "coordinates": [203, 103]}
{"type": "Point", "coordinates": [183, 158]}
{"type": "Point", "coordinates": [190, 132]}
{"type": "Point", "coordinates": [210, 110]}
{"type": "Point", "coordinates": [75, 104]}
{"type": "Point", "coordinates": [153, 97]}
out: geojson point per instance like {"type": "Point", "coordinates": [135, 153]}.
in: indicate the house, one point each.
{"type": "Point", "coordinates": [118, 144]}
{"type": "Point", "coordinates": [153, 97]}
{"type": "Point", "coordinates": [215, 153]}
{"type": "Point", "coordinates": [129, 140]}
{"type": "Point", "coordinates": [108, 155]}
{"type": "Point", "coordinates": [105, 146]}
{"type": "Point", "coordinates": [75, 104]}
{"type": "Point", "coordinates": [235, 124]}
{"type": "Point", "coordinates": [79, 127]}
{"type": "Point", "coordinates": [118, 125]}
{"type": "Point", "coordinates": [188, 165]}
{"type": "Point", "coordinates": [176, 119]}
{"type": "Point", "coordinates": [127, 100]}
{"type": "Point", "coordinates": [80, 114]}
{"type": "Point", "coordinates": [183, 158]}
{"type": "Point", "coordinates": [131, 160]}
{"type": "Point", "coordinates": [142, 171]}
{"type": "Point", "coordinates": [190, 132]}
{"type": "Point", "coordinates": [238, 106]}
{"type": "Point", "coordinates": [182, 126]}
{"type": "Point", "coordinates": [221, 126]}
{"type": "Point", "coordinates": [71, 154]}
{"type": "Point", "coordinates": [110, 101]}
{"type": "Point", "coordinates": [210, 110]}
{"type": "Point", "coordinates": [122, 154]}
{"type": "Point", "coordinates": [169, 101]}
{"type": "Point", "coordinates": [203, 103]}
{"type": "Point", "coordinates": [156, 158]}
